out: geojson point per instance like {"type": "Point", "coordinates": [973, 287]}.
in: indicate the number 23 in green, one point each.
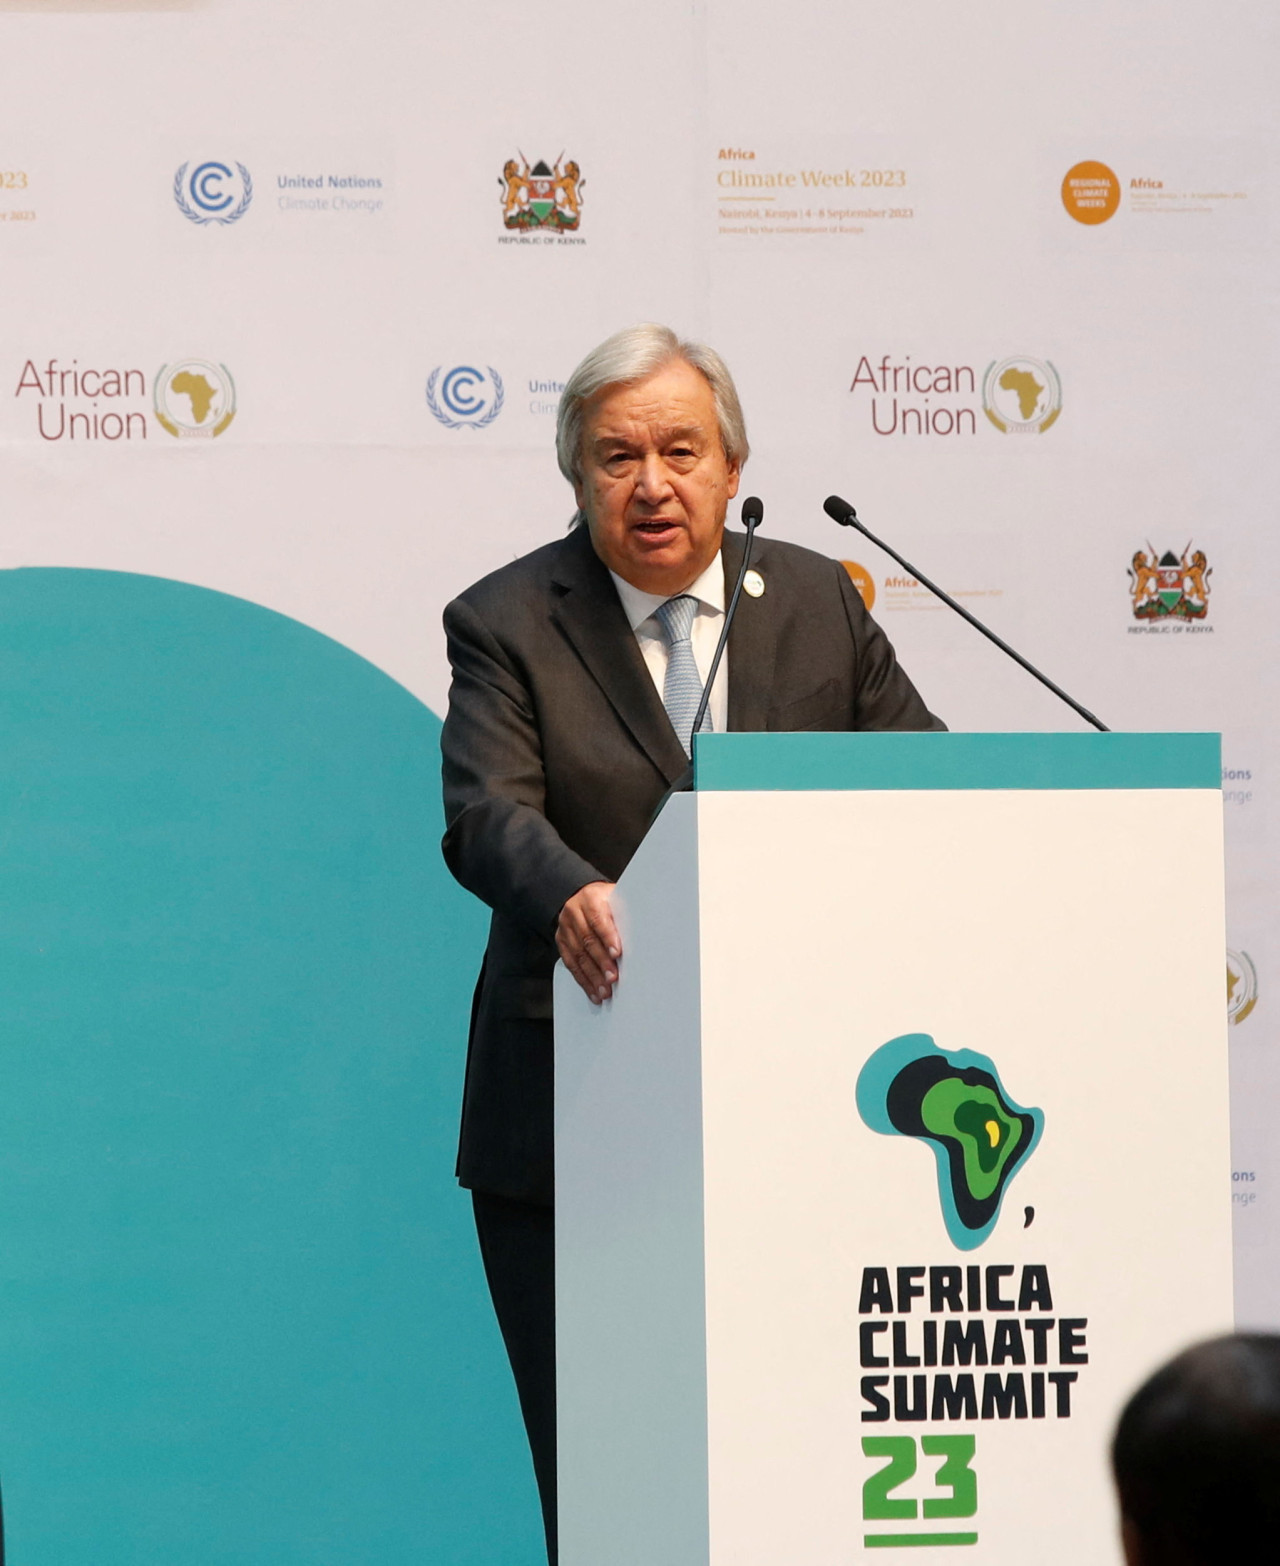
{"type": "Point", "coordinates": [954, 1474]}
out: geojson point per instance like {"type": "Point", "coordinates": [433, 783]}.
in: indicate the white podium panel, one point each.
{"type": "Point", "coordinates": [896, 1162]}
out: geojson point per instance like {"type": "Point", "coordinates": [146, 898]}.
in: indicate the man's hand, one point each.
{"type": "Point", "coordinates": [588, 940]}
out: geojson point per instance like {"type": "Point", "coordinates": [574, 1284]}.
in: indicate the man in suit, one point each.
{"type": "Point", "coordinates": [1196, 1457]}
{"type": "Point", "coordinates": [575, 671]}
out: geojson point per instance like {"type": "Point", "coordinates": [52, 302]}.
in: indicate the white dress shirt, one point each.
{"type": "Point", "coordinates": [707, 623]}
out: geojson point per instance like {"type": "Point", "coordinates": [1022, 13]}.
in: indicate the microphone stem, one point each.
{"type": "Point", "coordinates": [852, 521]}
{"type": "Point", "coordinates": [751, 525]}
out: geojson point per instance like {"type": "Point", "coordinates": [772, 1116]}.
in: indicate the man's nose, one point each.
{"type": "Point", "coordinates": [652, 480]}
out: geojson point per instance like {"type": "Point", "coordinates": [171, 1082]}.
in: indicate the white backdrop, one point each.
{"type": "Point", "coordinates": [804, 186]}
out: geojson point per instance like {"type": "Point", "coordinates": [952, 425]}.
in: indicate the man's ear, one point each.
{"type": "Point", "coordinates": [735, 478]}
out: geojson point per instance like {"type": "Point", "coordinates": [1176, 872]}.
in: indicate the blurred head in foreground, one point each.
{"type": "Point", "coordinates": [1196, 1457]}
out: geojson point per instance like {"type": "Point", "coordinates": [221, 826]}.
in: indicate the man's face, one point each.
{"type": "Point", "coordinates": [655, 479]}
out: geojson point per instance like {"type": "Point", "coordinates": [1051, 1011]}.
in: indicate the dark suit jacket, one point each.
{"type": "Point", "coordinates": [557, 751]}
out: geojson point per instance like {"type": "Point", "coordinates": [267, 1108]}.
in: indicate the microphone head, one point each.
{"type": "Point", "coordinates": [752, 511]}
{"type": "Point", "coordinates": [839, 510]}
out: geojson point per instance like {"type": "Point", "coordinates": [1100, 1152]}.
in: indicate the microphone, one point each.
{"type": "Point", "coordinates": [841, 511]}
{"type": "Point", "coordinates": [752, 517]}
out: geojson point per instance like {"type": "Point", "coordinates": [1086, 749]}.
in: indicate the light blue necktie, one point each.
{"type": "Point", "coordinates": [682, 688]}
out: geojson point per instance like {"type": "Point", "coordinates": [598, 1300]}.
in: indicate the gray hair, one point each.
{"type": "Point", "coordinates": [631, 355]}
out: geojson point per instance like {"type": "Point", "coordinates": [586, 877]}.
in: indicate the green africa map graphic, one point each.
{"type": "Point", "coordinates": [953, 1100]}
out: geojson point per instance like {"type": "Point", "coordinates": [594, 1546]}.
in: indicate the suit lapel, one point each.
{"type": "Point", "coordinates": [752, 639]}
{"type": "Point", "coordinates": [588, 611]}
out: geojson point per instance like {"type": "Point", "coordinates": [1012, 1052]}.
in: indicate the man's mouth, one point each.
{"type": "Point", "coordinates": [657, 528]}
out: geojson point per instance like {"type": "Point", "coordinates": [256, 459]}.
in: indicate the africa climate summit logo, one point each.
{"type": "Point", "coordinates": [953, 1100]}
{"type": "Point", "coordinates": [213, 192]}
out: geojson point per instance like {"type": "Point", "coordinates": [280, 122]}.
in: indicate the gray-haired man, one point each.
{"type": "Point", "coordinates": [560, 742]}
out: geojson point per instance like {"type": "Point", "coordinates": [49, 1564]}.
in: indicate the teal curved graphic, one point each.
{"type": "Point", "coordinates": [954, 1101]}
{"type": "Point", "coordinates": [242, 1318]}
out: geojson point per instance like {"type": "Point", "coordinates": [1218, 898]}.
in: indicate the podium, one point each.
{"type": "Point", "coordinates": [901, 1154]}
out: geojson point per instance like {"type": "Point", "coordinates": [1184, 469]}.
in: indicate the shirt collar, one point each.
{"type": "Point", "coordinates": [639, 607]}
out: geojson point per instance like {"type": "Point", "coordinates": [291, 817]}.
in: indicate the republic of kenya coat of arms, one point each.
{"type": "Point", "coordinates": [541, 197]}
{"type": "Point", "coordinates": [1170, 587]}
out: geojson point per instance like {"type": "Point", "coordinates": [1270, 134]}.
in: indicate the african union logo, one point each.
{"type": "Point", "coordinates": [954, 1100]}
{"type": "Point", "coordinates": [213, 192]}
{"type": "Point", "coordinates": [471, 398]}
{"type": "Point", "coordinates": [541, 197]}
{"type": "Point", "coordinates": [1242, 986]}
{"type": "Point", "coordinates": [1170, 588]}
{"type": "Point", "coordinates": [1022, 396]}
{"type": "Point", "coordinates": [194, 399]}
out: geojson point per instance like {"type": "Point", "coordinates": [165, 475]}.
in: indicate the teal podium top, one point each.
{"type": "Point", "coordinates": [863, 761]}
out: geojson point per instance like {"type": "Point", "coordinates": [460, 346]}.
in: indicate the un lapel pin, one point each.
{"type": "Point", "coordinates": [753, 583]}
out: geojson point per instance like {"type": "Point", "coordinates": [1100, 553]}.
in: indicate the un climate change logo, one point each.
{"type": "Point", "coordinates": [213, 192]}
{"type": "Point", "coordinates": [953, 1100]}
{"type": "Point", "coordinates": [472, 398]}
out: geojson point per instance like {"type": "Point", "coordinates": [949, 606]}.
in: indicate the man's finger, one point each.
{"type": "Point", "coordinates": [596, 947]}
{"type": "Point", "coordinates": [590, 979]}
{"type": "Point", "coordinates": [598, 912]}
{"type": "Point", "coordinates": [605, 930]}
{"type": "Point", "coordinates": [588, 941]}
{"type": "Point", "coordinates": [595, 980]}
{"type": "Point", "coordinates": [590, 910]}
{"type": "Point", "coordinates": [593, 939]}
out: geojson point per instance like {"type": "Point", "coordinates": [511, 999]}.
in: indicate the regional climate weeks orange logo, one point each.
{"type": "Point", "coordinates": [1091, 192]}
